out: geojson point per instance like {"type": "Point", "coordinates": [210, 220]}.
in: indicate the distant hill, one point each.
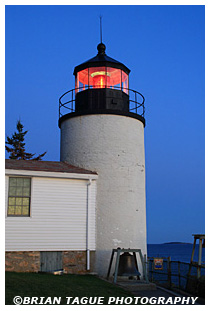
{"type": "Point", "coordinates": [177, 243]}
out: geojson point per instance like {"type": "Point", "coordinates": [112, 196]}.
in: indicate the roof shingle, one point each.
{"type": "Point", "coordinates": [48, 166]}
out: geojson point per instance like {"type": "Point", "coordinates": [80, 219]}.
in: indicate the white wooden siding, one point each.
{"type": "Point", "coordinates": [58, 217]}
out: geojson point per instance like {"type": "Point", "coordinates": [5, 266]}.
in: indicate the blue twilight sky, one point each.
{"type": "Point", "coordinates": [164, 46]}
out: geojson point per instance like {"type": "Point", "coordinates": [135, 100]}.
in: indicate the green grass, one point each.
{"type": "Point", "coordinates": [48, 285]}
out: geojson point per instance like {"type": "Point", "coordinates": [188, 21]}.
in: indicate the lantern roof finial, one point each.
{"type": "Point", "coordinates": [101, 48]}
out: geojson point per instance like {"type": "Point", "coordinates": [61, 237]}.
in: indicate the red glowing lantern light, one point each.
{"type": "Point", "coordinates": [100, 79]}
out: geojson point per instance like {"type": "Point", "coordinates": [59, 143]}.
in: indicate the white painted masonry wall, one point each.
{"type": "Point", "coordinates": [113, 146]}
{"type": "Point", "coordinates": [58, 215]}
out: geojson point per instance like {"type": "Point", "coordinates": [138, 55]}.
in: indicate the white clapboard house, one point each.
{"type": "Point", "coordinates": [50, 216]}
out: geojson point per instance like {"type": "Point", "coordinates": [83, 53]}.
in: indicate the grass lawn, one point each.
{"type": "Point", "coordinates": [66, 285]}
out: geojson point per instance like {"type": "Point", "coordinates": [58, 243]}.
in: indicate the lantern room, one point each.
{"type": "Point", "coordinates": [101, 77]}
{"type": "Point", "coordinates": [101, 83]}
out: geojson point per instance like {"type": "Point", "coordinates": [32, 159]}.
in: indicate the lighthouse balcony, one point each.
{"type": "Point", "coordinates": [82, 101]}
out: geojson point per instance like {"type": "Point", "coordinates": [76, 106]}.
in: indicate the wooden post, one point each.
{"type": "Point", "coordinates": [146, 264]}
{"type": "Point", "coordinates": [169, 271]}
{"type": "Point", "coordinates": [199, 259]}
{"type": "Point", "coordinates": [191, 261]}
{"type": "Point", "coordinates": [179, 274]}
{"type": "Point", "coordinates": [194, 245]}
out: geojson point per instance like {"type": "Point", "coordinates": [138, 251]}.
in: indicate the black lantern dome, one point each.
{"type": "Point", "coordinates": [101, 59]}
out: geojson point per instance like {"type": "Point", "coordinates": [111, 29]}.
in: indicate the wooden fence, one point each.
{"type": "Point", "coordinates": [176, 274]}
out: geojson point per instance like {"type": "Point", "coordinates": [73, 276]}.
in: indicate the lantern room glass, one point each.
{"type": "Point", "coordinates": [97, 77]}
{"type": "Point", "coordinates": [101, 77]}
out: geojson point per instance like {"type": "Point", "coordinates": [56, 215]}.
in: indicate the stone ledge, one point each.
{"type": "Point", "coordinates": [137, 285]}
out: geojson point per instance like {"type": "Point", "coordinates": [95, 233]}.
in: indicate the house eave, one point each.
{"type": "Point", "coordinates": [48, 174]}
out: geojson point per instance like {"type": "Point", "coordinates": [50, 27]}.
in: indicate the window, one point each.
{"type": "Point", "coordinates": [19, 196]}
{"type": "Point", "coordinates": [101, 77]}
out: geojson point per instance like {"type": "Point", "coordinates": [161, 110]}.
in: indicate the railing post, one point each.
{"type": "Point", "coordinates": [191, 261]}
{"type": "Point", "coordinates": [151, 261]}
{"type": "Point", "coordinates": [179, 274]}
{"type": "Point", "coordinates": [199, 259]}
{"type": "Point", "coordinates": [146, 265]}
{"type": "Point", "coordinates": [169, 271]}
{"type": "Point", "coordinates": [136, 100]}
{"type": "Point", "coordinates": [72, 101]}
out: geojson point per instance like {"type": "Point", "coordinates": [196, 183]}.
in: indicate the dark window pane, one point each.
{"type": "Point", "coordinates": [13, 181]}
{"type": "Point", "coordinates": [20, 182]}
{"type": "Point", "coordinates": [12, 191]}
{"type": "Point", "coordinates": [19, 191]}
{"type": "Point", "coordinates": [26, 182]}
{"type": "Point", "coordinates": [26, 192]}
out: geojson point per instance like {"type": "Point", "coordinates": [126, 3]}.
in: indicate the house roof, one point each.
{"type": "Point", "coordinates": [48, 166]}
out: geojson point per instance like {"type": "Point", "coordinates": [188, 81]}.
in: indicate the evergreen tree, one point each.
{"type": "Point", "coordinates": [17, 145]}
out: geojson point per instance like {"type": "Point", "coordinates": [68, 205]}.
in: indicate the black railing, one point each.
{"type": "Point", "coordinates": [67, 101]}
{"type": "Point", "coordinates": [176, 275]}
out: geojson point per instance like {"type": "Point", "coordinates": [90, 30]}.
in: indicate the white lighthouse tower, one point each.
{"type": "Point", "coordinates": [102, 129]}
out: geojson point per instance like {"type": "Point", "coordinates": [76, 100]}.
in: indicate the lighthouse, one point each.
{"type": "Point", "coordinates": [102, 129]}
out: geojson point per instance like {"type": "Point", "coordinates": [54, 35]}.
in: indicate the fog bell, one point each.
{"type": "Point", "coordinates": [127, 265]}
